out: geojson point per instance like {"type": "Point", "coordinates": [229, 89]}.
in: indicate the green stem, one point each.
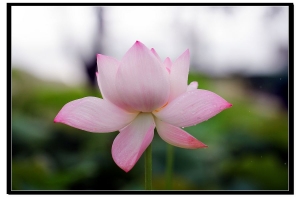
{"type": "Point", "coordinates": [169, 170]}
{"type": "Point", "coordinates": [148, 168]}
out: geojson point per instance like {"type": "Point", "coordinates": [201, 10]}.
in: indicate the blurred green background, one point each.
{"type": "Point", "coordinates": [248, 143]}
{"type": "Point", "coordinates": [238, 52]}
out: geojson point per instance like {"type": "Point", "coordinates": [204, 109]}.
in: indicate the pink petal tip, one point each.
{"type": "Point", "coordinates": [56, 120]}
{"type": "Point", "coordinates": [138, 44]}
{"type": "Point", "coordinates": [196, 144]}
{"type": "Point", "coordinates": [99, 56]}
{"type": "Point", "coordinates": [229, 105]}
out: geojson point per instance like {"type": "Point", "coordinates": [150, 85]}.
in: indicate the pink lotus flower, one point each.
{"type": "Point", "coordinates": [140, 93]}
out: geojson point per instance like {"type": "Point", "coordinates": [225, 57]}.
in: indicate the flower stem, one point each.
{"type": "Point", "coordinates": [169, 170]}
{"type": "Point", "coordinates": [148, 168]}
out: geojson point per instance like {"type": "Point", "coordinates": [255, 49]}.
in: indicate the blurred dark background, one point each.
{"type": "Point", "coordinates": [240, 53]}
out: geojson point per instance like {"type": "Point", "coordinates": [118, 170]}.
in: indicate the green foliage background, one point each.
{"type": "Point", "coordinates": [248, 143]}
